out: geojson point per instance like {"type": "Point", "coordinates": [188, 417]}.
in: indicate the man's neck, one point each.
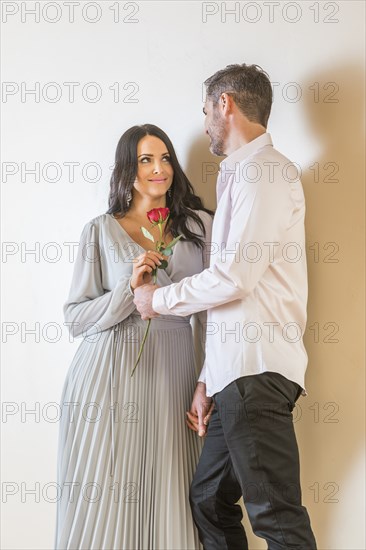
{"type": "Point", "coordinates": [243, 135]}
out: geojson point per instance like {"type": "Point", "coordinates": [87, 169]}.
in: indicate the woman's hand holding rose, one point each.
{"type": "Point", "coordinates": [143, 266]}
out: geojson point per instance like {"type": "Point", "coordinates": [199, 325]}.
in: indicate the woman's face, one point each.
{"type": "Point", "coordinates": [154, 170]}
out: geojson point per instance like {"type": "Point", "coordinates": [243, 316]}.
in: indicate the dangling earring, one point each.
{"type": "Point", "coordinates": [169, 192]}
{"type": "Point", "coordinates": [129, 199]}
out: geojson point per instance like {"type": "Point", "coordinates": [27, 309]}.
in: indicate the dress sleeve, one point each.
{"type": "Point", "coordinates": [201, 316]}
{"type": "Point", "coordinates": [90, 308]}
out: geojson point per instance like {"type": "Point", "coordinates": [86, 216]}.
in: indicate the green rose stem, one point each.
{"type": "Point", "coordinates": [143, 340]}
{"type": "Point", "coordinates": [166, 251]}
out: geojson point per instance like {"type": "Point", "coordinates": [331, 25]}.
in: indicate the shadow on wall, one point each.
{"type": "Point", "coordinates": [331, 430]}
{"type": "Point", "coordinates": [202, 169]}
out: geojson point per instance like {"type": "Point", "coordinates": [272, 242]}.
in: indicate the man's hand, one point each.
{"type": "Point", "coordinates": [143, 301]}
{"type": "Point", "coordinates": [201, 409]}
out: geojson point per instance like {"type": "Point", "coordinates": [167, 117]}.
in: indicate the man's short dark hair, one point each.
{"type": "Point", "coordinates": [250, 87]}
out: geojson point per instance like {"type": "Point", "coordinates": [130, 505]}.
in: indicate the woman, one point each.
{"type": "Point", "coordinates": [126, 457]}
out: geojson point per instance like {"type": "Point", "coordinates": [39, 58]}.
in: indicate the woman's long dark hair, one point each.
{"type": "Point", "coordinates": [182, 202]}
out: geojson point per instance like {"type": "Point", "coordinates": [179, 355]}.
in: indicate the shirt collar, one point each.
{"type": "Point", "coordinates": [246, 151]}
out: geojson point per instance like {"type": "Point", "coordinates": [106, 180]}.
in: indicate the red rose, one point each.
{"type": "Point", "coordinates": [158, 215]}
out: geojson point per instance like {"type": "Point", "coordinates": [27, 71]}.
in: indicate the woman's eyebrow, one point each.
{"type": "Point", "coordinates": [151, 155]}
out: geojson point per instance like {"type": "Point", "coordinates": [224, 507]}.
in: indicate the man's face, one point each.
{"type": "Point", "coordinates": [215, 127]}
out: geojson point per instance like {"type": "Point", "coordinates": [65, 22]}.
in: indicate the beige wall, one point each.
{"type": "Point", "coordinates": [167, 53]}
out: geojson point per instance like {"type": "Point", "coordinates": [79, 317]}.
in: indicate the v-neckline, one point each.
{"type": "Point", "coordinates": [129, 236]}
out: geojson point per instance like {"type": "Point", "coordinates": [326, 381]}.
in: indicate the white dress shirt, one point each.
{"type": "Point", "coordinates": [255, 288]}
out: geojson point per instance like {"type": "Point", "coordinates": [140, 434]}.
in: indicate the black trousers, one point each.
{"type": "Point", "coordinates": [250, 450]}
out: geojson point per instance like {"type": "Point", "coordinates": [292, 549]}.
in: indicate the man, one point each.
{"type": "Point", "coordinates": [255, 291]}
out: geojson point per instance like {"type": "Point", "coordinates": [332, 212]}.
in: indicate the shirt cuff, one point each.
{"type": "Point", "coordinates": [129, 287]}
{"type": "Point", "coordinates": [158, 302]}
{"type": "Point", "coordinates": [202, 376]}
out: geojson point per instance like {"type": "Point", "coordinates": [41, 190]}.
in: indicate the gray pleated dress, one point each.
{"type": "Point", "coordinates": [126, 457]}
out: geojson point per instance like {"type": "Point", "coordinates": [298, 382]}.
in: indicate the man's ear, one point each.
{"type": "Point", "coordinates": [226, 103]}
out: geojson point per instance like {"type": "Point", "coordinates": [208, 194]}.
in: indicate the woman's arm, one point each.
{"type": "Point", "coordinates": [90, 308]}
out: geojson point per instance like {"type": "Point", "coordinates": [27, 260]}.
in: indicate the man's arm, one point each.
{"type": "Point", "coordinates": [259, 217]}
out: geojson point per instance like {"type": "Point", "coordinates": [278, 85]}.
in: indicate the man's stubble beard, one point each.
{"type": "Point", "coordinates": [217, 148]}
{"type": "Point", "coordinates": [218, 135]}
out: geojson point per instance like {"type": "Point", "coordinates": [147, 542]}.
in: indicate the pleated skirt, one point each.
{"type": "Point", "coordinates": [126, 457]}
